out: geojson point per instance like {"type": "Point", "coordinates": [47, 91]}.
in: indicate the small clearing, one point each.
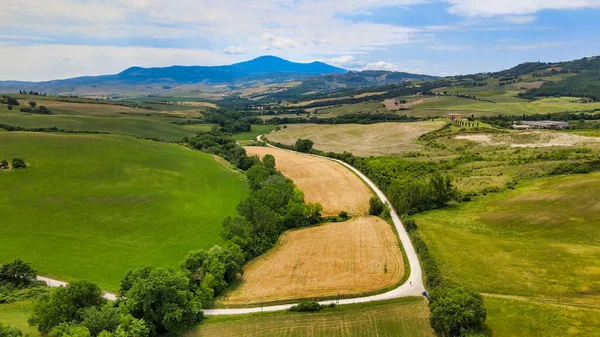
{"type": "Point", "coordinates": [345, 258]}
{"type": "Point", "coordinates": [382, 139]}
{"type": "Point", "coordinates": [530, 139]}
{"type": "Point", "coordinates": [332, 185]}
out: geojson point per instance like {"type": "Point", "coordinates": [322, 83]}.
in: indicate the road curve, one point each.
{"type": "Point", "coordinates": [412, 287]}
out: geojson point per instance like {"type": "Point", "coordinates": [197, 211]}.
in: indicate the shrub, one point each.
{"type": "Point", "coordinates": [410, 225]}
{"type": "Point", "coordinates": [456, 311]}
{"type": "Point", "coordinates": [18, 273]}
{"type": "Point", "coordinates": [307, 306]}
{"type": "Point", "coordinates": [18, 163]}
{"type": "Point", "coordinates": [7, 331]}
{"type": "Point", "coordinates": [344, 215]}
{"type": "Point", "coordinates": [4, 165]}
{"type": "Point", "coordinates": [27, 109]}
{"type": "Point", "coordinates": [10, 107]}
{"type": "Point", "coordinates": [304, 145]}
{"type": "Point", "coordinates": [376, 206]}
{"type": "Point", "coordinates": [43, 110]}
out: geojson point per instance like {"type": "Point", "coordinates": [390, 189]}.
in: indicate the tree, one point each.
{"type": "Point", "coordinates": [18, 272]}
{"type": "Point", "coordinates": [69, 330]}
{"type": "Point", "coordinates": [303, 145]}
{"type": "Point", "coordinates": [132, 327]}
{"type": "Point", "coordinates": [269, 162]}
{"type": "Point", "coordinates": [456, 311]}
{"type": "Point", "coordinates": [43, 110]}
{"type": "Point", "coordinates": [8, 331]}
{"type": "Point", "coordinates": [256, 175]}
{"type": "Point", "coordinates": [18, 163]}
{"type": "Point", "coordinates": [442, 190]}
{"type": "Point", "coordinates": [10, 107]}
{"type": "Point", "coordinates": [161, 297]}
{"type": "Point", "coordinates": [32, 104]}
{"type": "Point", "coordinates": [65, 304]}
{"type": "Point", "coordinates": [107, 318]}
{"type": "Point", "coordinates": [4, 165]}
{"type": "Point", "coordinates": [376, 207]}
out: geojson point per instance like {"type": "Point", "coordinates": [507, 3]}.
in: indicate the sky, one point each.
{"type": "Point", "coordinates": [53, 39]}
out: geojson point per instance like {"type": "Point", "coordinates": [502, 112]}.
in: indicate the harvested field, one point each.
{"type": "Point", "coordinates": [530, 139]}
{"type": "Point", "coordinates": [323, 181]}
{"type": "Point", "coordinates": [381, 139]}
{"type": "Point", "coordinates": [354, 257]}
{"type": "Point", "coordinates": [88, 109]}
{"type": "Point", "coordinates": [390, 104]}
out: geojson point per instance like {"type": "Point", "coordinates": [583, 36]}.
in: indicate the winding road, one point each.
{"type": "Point", "coordinates": [412, 287]}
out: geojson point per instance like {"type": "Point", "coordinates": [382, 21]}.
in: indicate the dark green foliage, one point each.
{"type": "Point", "coordinates": [18, 163]}
{"type": "Point", "coordinates": [10, 107]}
{"type": "Point", "coordinates": [18, 273]}
{"type": "Point", "coordinates": [222, 144]}
{"type": "Point", "coordinates": [211, 271]}
{"type": "Point", "coordinates": [410, 225]}
{"type": "Point", "coordinates": [269, 162]}
{"type": "Point", "coordinates": [307, 306]}
{"type": "Point", "coordinates": [432, 274]}
{"type": "Point", "coordinates": [456, 311]}
{"type": "Point", "coordinates": [376, 207]}
{"type": "Point", "coordinates": [585, 84]}
{"type": "Point", "coordinates": [69, 330]}
{"type": "Point", "coordinates": [344, 215]}
{"type": "Point", "coordinates": [7, 331]}
{"type": "Point", "coordinates": [354, 118]}
{"type": "Point", "coordinates": [442, 190]}
{"type": "Point", "coordinates": [161, 297]}
{"type": "Point", "coordinates": [107, 318]}
{"type": "Point", "coordinates": [26, 109]}
{"type": "Point", "coordinates": [43, 110]}
{"type": "Point", "coordinates": [303, 145]}
{"type": "Point", "coordinates": [65, 304]}
{"type": "Point", "coordinates": [4, 165]}
{"type": "Point", "coordinates": [32, 104]}
{"type": "Point", "coordinates": [576, 168]}
{"type": "Point", "coordinates": [257, 174]}
{"type": "Point", "coordinates": [4, 99]}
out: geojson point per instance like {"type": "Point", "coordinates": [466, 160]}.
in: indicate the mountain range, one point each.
{"type": "Point", "coordinates": [259, 71]}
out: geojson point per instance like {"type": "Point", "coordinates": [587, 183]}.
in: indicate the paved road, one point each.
{"type": "Point", "coordinates": [412, 287]}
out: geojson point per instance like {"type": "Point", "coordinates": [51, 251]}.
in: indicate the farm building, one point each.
{"type": "Point", "coordinates": [525, 125]}
{"type": "Point", "coordinates": [454, 116]}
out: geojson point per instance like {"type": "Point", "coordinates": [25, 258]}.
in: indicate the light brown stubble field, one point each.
{"type": "Point", "coordinates": [381, 139]}
{"type": "Point", "coordinates": [332, 185]}
{"type": "Point", "coordinates": [349, 258]}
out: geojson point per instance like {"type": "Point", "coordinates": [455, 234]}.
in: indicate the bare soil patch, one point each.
{"type": "Point", "coordinates": [530, 139]}
{"type": "Point", "coordinates": [332, 185]}
{"type": "Point", "coordinates": [362, 140]}
{"type": "Point", "coordinates": [349, 258]}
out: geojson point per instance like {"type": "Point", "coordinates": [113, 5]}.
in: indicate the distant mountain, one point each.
{"type": "Point", "coordinates": [266, 69]}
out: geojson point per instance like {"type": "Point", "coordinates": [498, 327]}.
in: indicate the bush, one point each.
{"type": "Point", "coordinates": [18, 163]}
{"type": "Point", "coordinates": [7, 331]}
{"type": "Point", "coordinates": [4, 165]}
{"type": "Point", "coordinates": [10, 107]}
{"type": "Point", "coordinates": [376, 206]}
{"type": "Point", "coordinates": [27, 109]}
{"type": "Point", "coordinates": [344, 215]}
{"type": "Point", "coordinates": [303, 145]}
{"type": "Point", "coordinates": [18, 273]}
{"type": "Point", "coordinates": [43, 110]}
{"type": "Point", "coordinates": [410, 225]}
{"type": "Point", "coordinates": [456, 311]}
{"type": "Point", "coordinates": [307, 306]}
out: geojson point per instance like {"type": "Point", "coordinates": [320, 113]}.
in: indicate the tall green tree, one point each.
{"type": "Point", "coordinates": [8, 331]}
{"type": "Point", "coordinates": [65, 304]}
{"type": "Point", "coordinates": [18, 273]}
{"type": "Point", "coordinates": [161, 297]}
{"type": "Point", "coordinates": [456, 311]}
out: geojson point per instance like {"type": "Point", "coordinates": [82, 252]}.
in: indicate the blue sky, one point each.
{"type": "Point", "coordinates": [49, 39]}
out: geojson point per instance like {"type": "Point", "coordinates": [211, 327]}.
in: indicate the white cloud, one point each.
{"type": "Point", "coordinates": [442, 47]}
{"type": "Point", "coordinates": [535, 45]}
{"type": "Point", "coordinates": [231, 50]}
{"type": "Point", "coordinates": [46, 62]}
{"type": "Point", "coordinates": [272, 41]}
{"type": "Point", "coordinates": [489, 8]}
{"type": "Point", "coordinates": [520, 19]}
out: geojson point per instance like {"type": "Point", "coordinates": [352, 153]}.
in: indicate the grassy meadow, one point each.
{"type": "Point", "coordinates": [16, 315]}
{"type": "Point", "coordinates": [539, 241]}
{"type": "Point", "coordinates": [445, 105]}
{"type": "Point", "coordinates": [93, 206]}
{"type": "Point", "coordinates": [400, 317]}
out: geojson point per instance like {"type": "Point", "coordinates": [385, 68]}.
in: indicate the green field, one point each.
{"type": "Point", "coordinates": [539, 241]}
{"type": "Point", "coordinates": [143, 126]}
{"type": "Point", "coordinates": [444, 105]}
{"type": "Point", "coordinates": [254, 132]}
{"type": "Point", "coordinates": [401, 317]}
{"type": "Point", "coordinates": [16, 315]}
{"type": "Point", "coordinates": [93, 206]}
{"type": "Point", "coordinates": [351, 108]}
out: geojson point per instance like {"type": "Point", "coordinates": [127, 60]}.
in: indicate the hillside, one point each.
{"type": "Point", "coordinates": [267, 69]}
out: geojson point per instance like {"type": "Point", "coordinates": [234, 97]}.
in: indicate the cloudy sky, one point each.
{"type": "Point", "coordinates": [49, 39]}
